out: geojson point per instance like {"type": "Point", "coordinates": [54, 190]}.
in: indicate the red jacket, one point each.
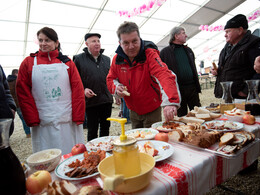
{"type": "Point", "coordinates": [24, 86]}
{"type": "Point", "coordinates": [143, 80]}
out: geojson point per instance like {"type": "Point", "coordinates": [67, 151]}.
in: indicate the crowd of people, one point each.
{"type": "Point", "coordinates": [55, 93]}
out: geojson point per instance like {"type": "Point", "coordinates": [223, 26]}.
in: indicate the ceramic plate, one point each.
{"type": "Point", "coordinates": [142, 133]}
{"type": "Point", "coordinates": [165, 150]}
{"type": "Point", "coordinates": [102, 143]}
{"type": "Point", "coordinates": [223, 125]}
{"type": "Point", "coordinates": [63, 168]}
{"type": "Point", "coordinates": [159, 126]}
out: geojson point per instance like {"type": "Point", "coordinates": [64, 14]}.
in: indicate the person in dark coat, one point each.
{"type": "Point", "coordinates": [7, 104]}
{"type": "Point", "coordinates": [93, 68]}
{"type": "Point", "coordinates": [236, 60]}
{"type": "Point", "coordinates": [12, 83]}
{"type": "Point", "coordinates": [181, 60]}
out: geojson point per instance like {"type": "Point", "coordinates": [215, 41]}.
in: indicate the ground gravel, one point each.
{"type": "Point", "coordinates": [248, 183]}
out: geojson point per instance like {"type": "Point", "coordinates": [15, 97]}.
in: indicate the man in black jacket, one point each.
{"type": "Point", "coordinates": [7, 104]}
{"type": "Point", "coordinates": [93, 68]}
{"type": "Point", "coordinates": [181, 60]}
{"type": "Point", "coordinates": [236, 60]}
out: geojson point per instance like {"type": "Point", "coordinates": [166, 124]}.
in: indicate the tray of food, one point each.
{"type": "Point", "coordinates": [142, 133]}
{"type": "Point", "coordinates": [213, 107]}
{"type": "Point", "coordinates": [166, 126]}
{"type": "Point", "coordinates": [81, 166]}
{"type": "Point", "coordinates": [224, 126]}
{"type": "Point", "coordinates": [225, 144]}
{"type": "Point", "coordinates": [101, 143]}
{"type": "Point", "coordinates": [158, 149]}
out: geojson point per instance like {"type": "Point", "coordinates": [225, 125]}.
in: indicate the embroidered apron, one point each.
{"type": "Point", "coordinates": [52, 94]}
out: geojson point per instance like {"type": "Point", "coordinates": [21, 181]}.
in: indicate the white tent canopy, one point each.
{"type": "Point", "coordinates": [21, 19]}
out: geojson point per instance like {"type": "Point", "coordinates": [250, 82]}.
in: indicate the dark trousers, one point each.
{"type": "Point", "coordinates": [189, 98]}
{"type": "Point", "coordinates": [146, 120]}
{"type": "Point", "coordinates": [96, 116]}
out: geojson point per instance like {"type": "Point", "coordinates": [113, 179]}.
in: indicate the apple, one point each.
{"type": "Point", "coordinates": [38, 181]}
{"type": "Point", "coordinates": [78, 149]}
{"type": "Point", "coordinates": [162, 137]}
{"type": "Point", "coordinates": [249, 119]}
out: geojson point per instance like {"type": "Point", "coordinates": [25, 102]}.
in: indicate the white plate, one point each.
{"type": "Point", "coordinates": [102, 143]}
{"type": "Point", "coordinates": [165, 150]}
{"type": "Point", "coordinates": [236, 126]}
{"type": "Point", "coordinates": [63, 168]}
{"type": "Point", "coordinates": [144, 133]}
{"type": "Point", "coordinates": [158, 126]}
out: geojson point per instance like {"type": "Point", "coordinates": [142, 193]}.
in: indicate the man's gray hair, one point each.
{"type": "Point", "coordinates": [175, 31]}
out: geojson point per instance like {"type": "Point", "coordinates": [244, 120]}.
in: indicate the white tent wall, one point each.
{"type": "Point", "coordinates": [21, 19]}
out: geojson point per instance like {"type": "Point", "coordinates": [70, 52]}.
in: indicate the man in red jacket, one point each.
{"type": "Point", "coordinates": [138, 69]}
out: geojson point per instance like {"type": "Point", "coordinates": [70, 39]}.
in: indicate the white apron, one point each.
{"type": "Point", "coordinates": [52, 94]}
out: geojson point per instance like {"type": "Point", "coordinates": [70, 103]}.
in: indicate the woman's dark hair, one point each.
{"type": "Point", "coordinates": [51, 34]}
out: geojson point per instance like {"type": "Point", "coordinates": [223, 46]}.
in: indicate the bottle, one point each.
{"type": "Point", "coordinates": [126, 153]}
{"type": "Point", "coordinates": [12, 177]}
{"type": "Point", "coordinates": [227, 99]}
{"type": "Point", "coordinates": [253, 100]}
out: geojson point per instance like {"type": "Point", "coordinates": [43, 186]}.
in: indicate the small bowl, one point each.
{"type": "Point", "coordinates": [44, 160]}
{"type": "Point", "coordinates": [236, 118]}
{"type": "Point", "coordinates": [130, 184]}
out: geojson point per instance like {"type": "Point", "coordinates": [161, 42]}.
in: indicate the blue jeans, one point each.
{"type": "Point", "coordinates": [125, 111]}
{"type": "Point", "coordinates": [25, 127]}
{"type": "Point", "coordinates": [85, 121]}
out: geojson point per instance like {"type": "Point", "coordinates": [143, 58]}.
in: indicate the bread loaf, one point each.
{"type": "Point", "coordinates": [90, 190]}
{"type": "Point", "coordinates": [61, 188]}
{"type": "Point", "coordinates": [205, 117]}
{"type": "Point", "coordinates": [67, 187]}
{"type": "Point", "coordinates": [203, 111]}
{"type": "Point", "coordinates": [214, 115]}
{"type": "Point", "coordinates": [226, 139]}
{"type": "Point", "coordinates": [191, 120]}
{"type": "Point", "coordinates": [176, 135]}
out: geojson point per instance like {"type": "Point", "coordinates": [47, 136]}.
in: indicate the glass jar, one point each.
{"type": "Point", "coordinates": [253, 100]}
{"type": "Point", "coordinates": [126, 157]}
{"type": "Point", "coordinates": [227, 102]}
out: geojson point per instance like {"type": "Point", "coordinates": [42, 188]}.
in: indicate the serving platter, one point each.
{"type": "Point", "coordinates": [213, 149]}
{"type": "Point", "coordinates": [142, 133]}
{"type": "Point", "coordinates": [101, 143]}
{"type": "Point", "coordinates": [223, 126]}
{"type": "Point", "coordinates": [63, 168]}
{"type": "Point", "coordinates": [159, 126]}
{"type": "Point", "coordinates": [165, 150]}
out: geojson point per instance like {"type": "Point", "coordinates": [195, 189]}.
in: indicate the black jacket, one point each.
{"type": "Point", "coordinates": [168, 57]}
{"type": "Point", "coordinates": [6, 99]}
{"type": "Point", "coordinates": [93, 75]}
{"type": "Point", "coordinates": [238, 65]}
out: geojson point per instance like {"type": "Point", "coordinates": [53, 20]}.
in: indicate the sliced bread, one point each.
{"type": "Point", "coordinates": [226, 139]}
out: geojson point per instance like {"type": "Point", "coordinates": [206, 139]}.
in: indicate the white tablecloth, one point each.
{"type": "Point", "coordinates": [191, 171]}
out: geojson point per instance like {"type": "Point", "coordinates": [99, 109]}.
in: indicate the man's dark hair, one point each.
{"type": "Point", "coordinates": [14, 71]}
{"type": "Point", "coordinates": [126, 28]}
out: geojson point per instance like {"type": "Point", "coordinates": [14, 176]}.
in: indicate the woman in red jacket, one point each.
{"type": "Point", "coordinates": [51, 96]}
